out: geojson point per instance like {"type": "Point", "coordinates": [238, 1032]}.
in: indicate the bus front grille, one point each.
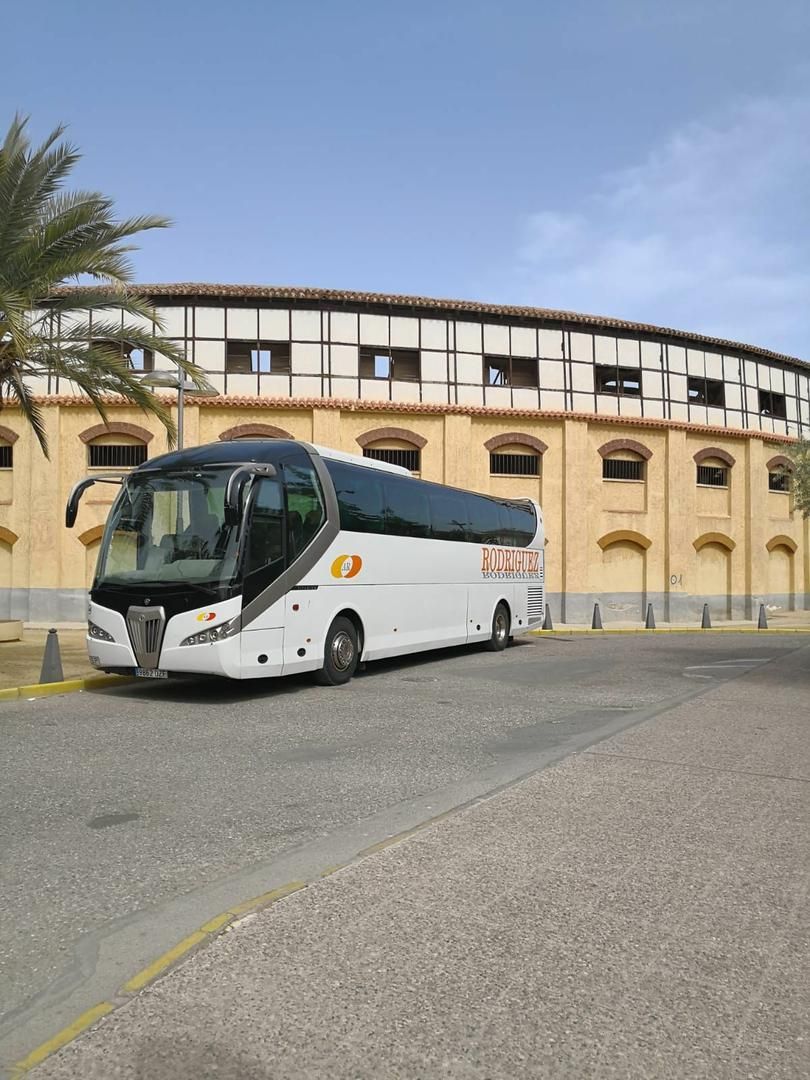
{"type": "Point", "coordinates": [146, 626]}
{"type": "Point", "coordinates": [534, 608]}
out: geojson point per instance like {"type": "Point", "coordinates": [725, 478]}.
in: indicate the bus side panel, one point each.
{"type": "Point", "coordinates": [409, 617]}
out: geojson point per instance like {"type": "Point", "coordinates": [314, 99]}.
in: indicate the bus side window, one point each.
{"type": "Point", "coordinates": [448, 512]}
{"type": "Point", "coordinates": [305, 509]}
{"type": "Point", "coordinates": [484, 520]}
{"type": "Point", "coordinates": [265, 538]}
{"type": "Point", "coordinates": [524, 524]}
{"type": "Point", "coordinates": [360, 497]}
{"type": "Point", "coordinates": [407, 508]}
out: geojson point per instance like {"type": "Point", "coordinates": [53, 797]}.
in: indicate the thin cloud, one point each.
{"type": "Point", "coordinates": [708, 233]}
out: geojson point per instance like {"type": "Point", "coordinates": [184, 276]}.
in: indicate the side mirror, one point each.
{"type": "Point", "coordinates": [235, 486]}
{"type": "Point", "coordinates": [72, 507]}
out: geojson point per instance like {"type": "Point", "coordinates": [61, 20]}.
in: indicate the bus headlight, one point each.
{"type": "Point", "coordinates": [96, 632]}
{"type": "Point", "coordinates": [207, 637]}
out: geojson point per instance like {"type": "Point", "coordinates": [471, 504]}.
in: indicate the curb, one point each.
{"type": "Point", "coordinates": [198, 939]}
{"type": "Point", "coordinates": [66, 686]}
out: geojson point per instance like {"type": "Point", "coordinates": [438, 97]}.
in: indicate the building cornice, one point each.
{"type": "Point", "coordinates": [409, 408]}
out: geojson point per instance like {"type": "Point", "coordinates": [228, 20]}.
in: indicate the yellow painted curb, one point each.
{"type": "Point", "coordinates": [66, 686]}
{"type": "Point", "coordinates": [266, 899]}
{"type": "Point", "coordinates": [62, 1038]}
{"type": "Point", "coordinates": [163, 963]}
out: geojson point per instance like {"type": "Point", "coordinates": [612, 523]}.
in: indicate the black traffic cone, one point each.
{"type": "Point", "coordinates": [762, 622]}
{"type": "Point", "coordinates": [547, 623]}
{"type": "Point", "coordinates": [649, 622]}
{"type": "Point", "coordinates": [596, 623]}
{"type": "Point", "coordinates": [706, 622]}
{"type": "Point", "coordinates": [52, 660]}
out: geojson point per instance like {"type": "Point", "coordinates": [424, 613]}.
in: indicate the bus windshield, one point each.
{"type": "Point", "coordinates": [169, 528]}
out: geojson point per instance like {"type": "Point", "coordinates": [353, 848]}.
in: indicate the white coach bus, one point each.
{"type": "Point", "coordinates": [256, 558]}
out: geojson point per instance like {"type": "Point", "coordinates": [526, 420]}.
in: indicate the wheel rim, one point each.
{"type": "Point", "coordinates": [501, 628]}
{"type": "Point", "coordinates": [342, 651]}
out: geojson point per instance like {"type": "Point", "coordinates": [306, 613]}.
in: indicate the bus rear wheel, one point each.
{"type": "Point", "coordinates": [499, 638]}
{"type": "Point", "coordinates": [340, 654]}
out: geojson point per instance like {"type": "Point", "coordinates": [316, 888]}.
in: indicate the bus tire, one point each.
{"type": "Point", "coordinates": [499, 638]}
{"type": "Point", "coordinates": [340, 654]}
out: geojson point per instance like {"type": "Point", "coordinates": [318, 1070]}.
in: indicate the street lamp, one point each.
{"type": "Point", "coordinates": [184, 387]}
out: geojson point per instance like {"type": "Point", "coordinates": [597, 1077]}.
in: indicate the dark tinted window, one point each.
{"type": "Point", "coordinates": [266, 535]}
{"type": "Point", "coordinates": [706, 391]}
{"type": "Point", "coordinates": [524, 524]}
{"type": "Point", "coordinates": [305, 510]}
{"type": "Point", "coordinates": [624, 381]}
{"type": "Point", "coordinates": [407, 507]}
{"type": "Point", "coordinates": [448, 510]}
{"type": "Point", "coordinates": [772, 404]}
{"type": "Point", "coordinates": [485, 520]}
{"type": "Point", "coordinates": [360, 497]}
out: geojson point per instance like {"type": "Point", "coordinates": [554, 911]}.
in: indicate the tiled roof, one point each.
{"type": "Point", "coordinates": [573, 319]}
{"type": "Point", "coordinates": [414, 408]}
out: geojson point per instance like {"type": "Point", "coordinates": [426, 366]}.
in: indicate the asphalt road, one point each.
{"type": "Point", "coordinates": [131, 816]}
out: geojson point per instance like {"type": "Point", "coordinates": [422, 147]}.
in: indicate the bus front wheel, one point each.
{"type": "Point", "coordinates": [499, 638]}
{"type": "Point", "coordinates": [340, 654]}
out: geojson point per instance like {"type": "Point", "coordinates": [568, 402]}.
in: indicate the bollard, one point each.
{"type": "Point", "coordinates": [649, 622]}
{"type": "Point", "coordinates": [547, 623]}
{"type": "Point", "coordinates": [762, 623]}
{"type": "Point", "coordinates": [596, 623]}
{"type": "Point", "coordinates": [52, 660]}
{"type": "Point", "coordinates": [706, 622]}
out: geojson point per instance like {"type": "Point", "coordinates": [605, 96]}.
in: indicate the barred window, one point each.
{"type": "Point", "coordinates": [408, 459]}
{"type": "Point", "coordinates": [116, 456]}
{"type": "Point", "coordinates": [779, 481]}
{"type": "Point", "coordinates": [621, 469]}
{"type": "Point", "coordinates": [6, 456]}
{"type": "Point", "coordinates": [514, 465]}
{"type": "Point", "coordinates": [712, 476]}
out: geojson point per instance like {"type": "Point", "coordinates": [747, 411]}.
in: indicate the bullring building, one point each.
{"type": "Point", "coordinates": [657, 455]}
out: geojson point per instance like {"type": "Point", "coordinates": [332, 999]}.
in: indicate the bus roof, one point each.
{"type": "Point", "coordinates": [237, 451]}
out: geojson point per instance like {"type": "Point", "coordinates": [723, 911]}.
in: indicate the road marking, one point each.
{"type": "Point", "coordinates": [139, 981]}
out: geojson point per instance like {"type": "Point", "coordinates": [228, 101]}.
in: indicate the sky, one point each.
{"type": "Point", "coordinates": [632, 158]}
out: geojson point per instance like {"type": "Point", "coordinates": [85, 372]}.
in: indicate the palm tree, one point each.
{"type": "Point", "coordinates": [85, 332]}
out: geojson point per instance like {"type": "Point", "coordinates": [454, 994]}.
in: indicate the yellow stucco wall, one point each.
{"type": "Point", "coordinates": [666, 539]}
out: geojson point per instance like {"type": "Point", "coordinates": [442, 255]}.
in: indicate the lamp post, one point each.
{"type": "Point", "coordinates": [172, 380]}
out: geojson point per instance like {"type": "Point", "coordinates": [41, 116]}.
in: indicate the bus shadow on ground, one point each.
{"type": "Point", "coordinates": [194, 689]}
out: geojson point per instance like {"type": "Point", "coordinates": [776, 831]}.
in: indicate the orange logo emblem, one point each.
{"type": "Point", "coordinates": [346, 566]}
{"type": "Point", "coordinates": [206, 616]}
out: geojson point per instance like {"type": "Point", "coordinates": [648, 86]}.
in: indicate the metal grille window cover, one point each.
{"type": "Point", "coordinates": [6, 457]}
{"type": "Point", "coordinates": [620, 469]}
{"type": "Point", "coordinates": [514, 464]}
{"type": "Point", "coordinates": [778, 481]}
{"type": "Point", "coordinates": [408, 459]}
{"type": "Point", "coordinates": [712, 476]}
{"type": "Point", "coordinates": [116, 456]}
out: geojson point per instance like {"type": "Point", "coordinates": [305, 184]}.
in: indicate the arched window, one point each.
{"type": "Point", "coordinates": [397, 446]}
{"type": "Point", "coordinates": [624, 459]}
{"type": "Point", "coordinates": [713, 467]}
{"type": "Point", "coordinates": [254, 431]}
{"type": "Point", "coordinates": [7, 440]}
{"type": "Point", "coordinates": [115, 445]}
{"type": "Point", "coordinates": [515, 454]}
{"type": "Point", "coordinates": [780, 472]}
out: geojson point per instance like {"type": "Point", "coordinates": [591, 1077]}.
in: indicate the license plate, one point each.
{"type": "Point", "coordinates": [151, 673]}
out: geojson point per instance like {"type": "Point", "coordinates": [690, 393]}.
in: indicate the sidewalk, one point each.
{"type": "Point", "coordinates": [638, 911]}
{"type": "Point", "coordinates": [21, 661]}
